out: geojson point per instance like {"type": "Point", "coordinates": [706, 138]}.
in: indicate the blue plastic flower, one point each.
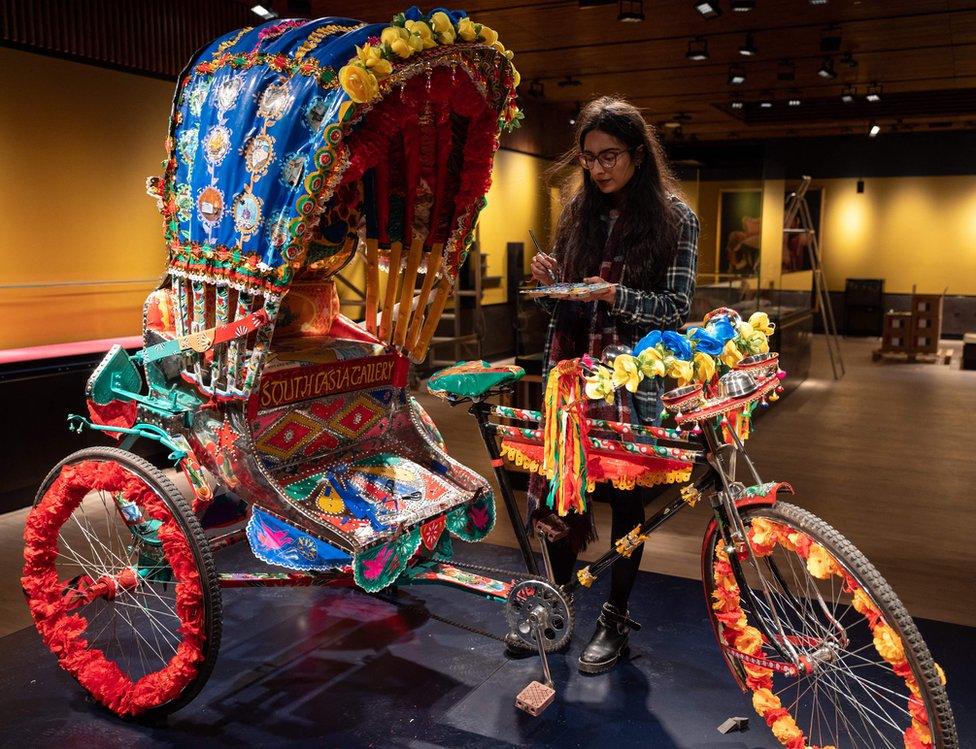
{"type": "Point", "coordinates": [649, 341]}
{"type": "Point", "coordinates": [721, 329]}
{"type": "Point", "coordinates": [705, 342]}
{"type": "Point", "coordinates": [413, 14]}
{"type": "Point", "coordinates": [677, 343]}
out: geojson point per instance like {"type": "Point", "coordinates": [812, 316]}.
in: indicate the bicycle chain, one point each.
{"type": "Point", "coordinates": [519, 576]}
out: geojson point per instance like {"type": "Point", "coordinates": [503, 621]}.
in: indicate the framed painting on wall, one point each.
{"type": "Point", "coordinates": [796, 256]}
{"type": "Point", "coordinates": [739, 231]}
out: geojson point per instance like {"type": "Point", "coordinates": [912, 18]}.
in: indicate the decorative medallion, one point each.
{"type": "Point", "coordinates": [358, 417]}
{"type": "Point", "coordinates": [217, 144]}
{"type": "Point", "coordinates": [288, 436]}
{"type": "Point", "coordinates": [184, 202]}
{"type": "Point", "coordinates": [210, 205]}
{"type": "Point", "coordinates": [315, 113]}
{"type": "Point", "coordinates": [198, 94]}
{"type": "Point", "coordinates": [306, 547]}
{"type": "Point", "coordinates": [278, 229]}
{"type": "Point", "coordinates": [247, 213]}
{"type": "Point", "coordinates": [274, 102]}
{"type": "Point", "coordinates": [226, 92]}
{"type": "Point", "coordinates": [259, 154]}
{"type": "Point", "coordinates": [293, 169]}
{"type": "Point", "coordinates": [186, 145]}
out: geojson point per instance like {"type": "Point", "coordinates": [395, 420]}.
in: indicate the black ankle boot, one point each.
{"type": "Point", "coordinates": [609, 641]}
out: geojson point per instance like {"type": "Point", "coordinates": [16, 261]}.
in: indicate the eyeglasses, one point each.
{"type": "Point", "coordinates": [607, 158]}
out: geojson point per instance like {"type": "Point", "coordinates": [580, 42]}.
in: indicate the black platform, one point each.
{"type": "Point", "coordinates": [330, 667]}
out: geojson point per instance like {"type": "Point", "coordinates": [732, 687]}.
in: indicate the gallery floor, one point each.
{"type": "Point", "coordinates": [884, 456]}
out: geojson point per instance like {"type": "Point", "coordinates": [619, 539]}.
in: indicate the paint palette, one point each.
{"type": "Point", "coordinates": [566, 290]}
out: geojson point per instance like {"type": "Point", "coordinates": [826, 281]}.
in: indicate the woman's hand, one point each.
{"type": "Point", "coordinates": [544, 269]}
{"type": "Point", "coordinates": [608, 295]}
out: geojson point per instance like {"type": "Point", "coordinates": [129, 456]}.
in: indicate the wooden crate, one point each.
{"type": "Point", "coordinates": [897, 332]}
{"type": "Point", "coordinates": [926, 323]}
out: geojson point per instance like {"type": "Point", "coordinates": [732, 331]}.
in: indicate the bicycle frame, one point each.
{"type": "Point", "coordinates": [717, 483]}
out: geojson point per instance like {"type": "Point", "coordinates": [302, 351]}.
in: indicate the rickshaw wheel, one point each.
{"type": "Point", "coordinates": [120, 581]}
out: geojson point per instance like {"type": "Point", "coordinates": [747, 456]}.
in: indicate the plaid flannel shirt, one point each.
{"type": "Point", "coordinates": [666, 306]}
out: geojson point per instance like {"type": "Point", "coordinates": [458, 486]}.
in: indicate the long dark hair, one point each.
{"type": "Point", "coordinates": [646, 229]}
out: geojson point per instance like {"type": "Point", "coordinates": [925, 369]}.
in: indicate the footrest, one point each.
{"type": "Point", "coordinates": [535, 698]}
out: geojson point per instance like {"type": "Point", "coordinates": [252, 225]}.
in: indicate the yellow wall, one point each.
{"type": "Point", "coordinates": [519, 200]}
{"type": "Point", "coordinates": [78, 143]}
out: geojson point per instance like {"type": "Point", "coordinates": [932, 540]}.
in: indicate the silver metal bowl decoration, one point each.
{"type": "Point", "coordinates": [762, 364]}
{"type": "Point", "coordinates": [736, 384]}
{"type": "Point", "coordinates": [686, 398]}
{"type": "Point", "coordinates": [612, 352]}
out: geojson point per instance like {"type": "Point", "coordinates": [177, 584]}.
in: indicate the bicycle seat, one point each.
{"type": "Point", "coordinates": [472, 379]}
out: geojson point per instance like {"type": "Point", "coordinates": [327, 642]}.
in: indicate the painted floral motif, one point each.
{"type": "Point", "coordinates": [184, 202]}
{"type": "Point", "coordinates": [198, 95]}
{"type": "Point", "coordinates": [186, 145]}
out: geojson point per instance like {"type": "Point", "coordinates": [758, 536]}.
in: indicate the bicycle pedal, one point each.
{"type": "Point", "coordinates": [535, 698]}
{"type": "Point", "coordinates": [552, 528]}
{"type": "Point", "coordinates": [734, 724]}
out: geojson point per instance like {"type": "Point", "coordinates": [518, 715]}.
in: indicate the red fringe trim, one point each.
{"type": "Point", "coordinates": [64, 633]}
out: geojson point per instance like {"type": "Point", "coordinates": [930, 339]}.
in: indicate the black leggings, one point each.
{"type": "Point", "coordinates": [627, 512]}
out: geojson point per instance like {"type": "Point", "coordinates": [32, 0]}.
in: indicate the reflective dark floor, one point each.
{"type": "Point", "coordinates": [331, 667]}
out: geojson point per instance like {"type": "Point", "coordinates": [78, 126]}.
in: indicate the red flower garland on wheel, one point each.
{"type": "Point", "coordinates": [63, 629]}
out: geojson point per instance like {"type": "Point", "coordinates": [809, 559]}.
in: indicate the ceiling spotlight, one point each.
{"type": "Point", "coordinates": [786, 71]}
{"type": "Point", "coordinates": [874, 92]}
{"type": "Point", "coordinates": [849, 93]}
{"type": "Point", "coordinates": [766, 100]}
{"type": "Point", "coordinates": [748, 48]}
{"type": "Point", "coordinates": [569, 81]}
{"type": "Point", "coordinates": [697, 49]}
{"type": "Point", "coordinates": [874, 130]}
{"type": "Point", "coordinates": [537, 89]}
{"type": "Point", "coordinates": [630, 11]}
{"type": "Point", "coordinates": [827, 68]}
{"type": "Point", "coordinates": [709, 9]}
{"type": "Point", "coordinates": [794, 100]}
{"type": "Point", "coordinates": [848, 60]}
{"type": "Point", "coordinates": [736, 102]}
{"type": "Point", "coordinates": [737, 75]}
{"type": "Point", "coordinates": [260, 10]}
{"type": "Point", "coordinates": [819, 2]}
{"type": "Point", "coordinates": [743, 6]}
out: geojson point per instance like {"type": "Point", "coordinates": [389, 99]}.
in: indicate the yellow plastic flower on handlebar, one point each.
{"type": "Point", "coordinates": [744, 330]}
{"type": "Point", "coordinates": [704, 366]}
{"type": "Point", "coordinates": [680, 369]}
{"type": "Point", "coordinates": [372, 59]}
{"type": "Point", "coordinates": [489, 36]}
{"type": "Point", "coordinates": [600, 385]}
{"type": "Point", "coordinates": [626, 372]}
{"type": "Point", "coordinates": [760, 321]}
{"type": "Point", "coordinates": [651, 362]}
{"type": "Point", "coordinates": [730, 355]}
{"type": "Point", "coordinates": [758, 343]}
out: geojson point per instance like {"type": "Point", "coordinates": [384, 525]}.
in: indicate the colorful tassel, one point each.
{"type": "Point", "coordinates": [565, 435]}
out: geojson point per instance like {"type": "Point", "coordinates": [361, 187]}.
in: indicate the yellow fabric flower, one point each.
{"type": "Point", "coordinates": [626, 372]}
{"type": "Point", "coordinates": [786, 730]}
{"type": "Point", "coordinates": [443, 27]}
{"type": "Point", "coordinates": [651, 362]}
{"type": "Point", "coordinates": [489, 36]}
{"type": "Point", "coordinates": [680, 370]}
{"type": "Point", "coordinates": [744, 330]}
{"type": "Point", "coordinates": [402, 48]}
{"type": "Point", "coordinates": [760, 321]}
{"type": "Point", "coordinates": [600, 385]}
{"type": "Point", "coordinates": [516, 77]}
{"type": "Point", "coordinates": [820, 564]}
{"type": "Point", "coordinates": [730, 355]}
{"type": "Point", "coordinates": [467, 29]}
{"type": "Point", "coordinates": [888, 644]}
{"type": "Point", "coordinates": [371, 58]}
{"type": "Point", "coordinates": [359, 83]}
{"type": "Point", "coordinates": [704, 366]}
{"type": "Point", "coordinates": [422, 30]}
{"type": "Point", "coordinates": [391, 33]}
{"type": "Point", "coordinates": [763, 700]}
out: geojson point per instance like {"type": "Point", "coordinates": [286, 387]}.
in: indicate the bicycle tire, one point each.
{"type": "Point", "coordinates": [178, 532]}
{"type": "Point", "coordinates": [782, 526]}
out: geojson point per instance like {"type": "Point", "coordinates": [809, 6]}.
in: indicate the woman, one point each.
{"type": "Point", "coordinates": [626, 225]}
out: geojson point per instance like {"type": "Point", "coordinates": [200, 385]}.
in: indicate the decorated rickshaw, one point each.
{"type": "Point", "coordinates": [295, 146]}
